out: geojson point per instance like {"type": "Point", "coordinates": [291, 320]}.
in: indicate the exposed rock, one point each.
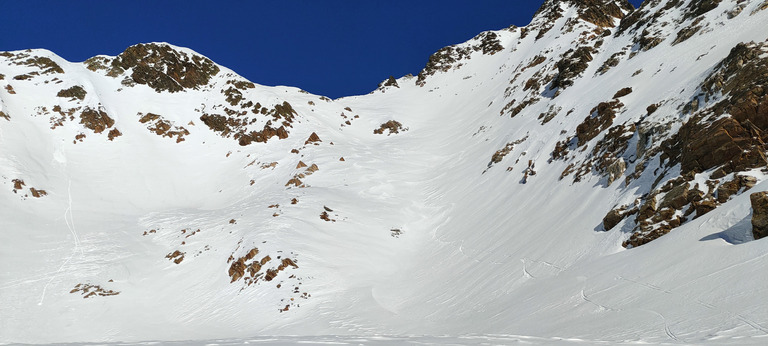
{"type": "Point", "coordinates": [89, 290]}
{"type": "Point", "coordinates": [391, 81]}
{"type": "Point", "coordinates": [704, 206]}
{"type": "Point", "coordinates": [688, 32]}
{"type": "Point", "coordinates": [176, 256]}
{"type": "Point", "coordinates": [623, 92]}
{"type": "Point", "coordinates": [161, 127]}
{"type": "Point", "coordinates": [676, 198]}
{"type": "Point", "coordinates": [238, 267]}
{"type": "Point", "coordinates": [648, 209]}
{"type": "Point", "coordinates": [612, 219]}
{"type": "Point", "coordinates": [603, 13]}
{"type": "Point", "coordinates": [392, 126]}
{"type": "Point", "coordinates": [37, 193]}
{"type": "Point", "coordinates": [501, 153]}
{"type": "Point", "coordinates": [296, 182]}
{"type": "Point", "coordinates": [700, 7]}
{"type": "Point", "coordinates": [731, 188]}
{"type": "Point", "coordinates": [611, 62]}
{"type": "Point", "coordinates": [163, 68]}
{"type": "Point", "coordinates": [75, 92]}
{"type": "Point", "coordinates": [616, 170]}
{"type": "Point", "coordinates": [236, 123]}
{"type": "Point", "coordinates": [449, 57]}
{"type": "Point", "coordinates": [759, 214]}
{"type": "Point", "coordinates": [762, 6]}
{"type": "Point", "coordinates": [18, 184]}
{"type": "Point", "coordinates": [601, 118]}
{"type": "Point", "coordinates": [573, 63]}
{"type": "Point", "coordinates": [96, 119]}
{"type": "Point", "coordinates": [724, 143]}
{"type": "Point", "coordinates": [45, 65]}
{"type": "Point", "coordinates": [313, 138]}
{"type": "Point", "coordinates": [114, 133]}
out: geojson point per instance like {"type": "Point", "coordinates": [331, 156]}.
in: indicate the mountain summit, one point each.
{"type": "Point", "coordinates": [598, 176]}
{"type": "Point", "coordinates": [598, 12]}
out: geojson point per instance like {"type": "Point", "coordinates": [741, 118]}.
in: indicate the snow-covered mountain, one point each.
{"type": "Point", "coordinates": [585, 178]}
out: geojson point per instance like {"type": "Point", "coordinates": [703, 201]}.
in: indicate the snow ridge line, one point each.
{"type": "Point", "coordinates": [71, 226]}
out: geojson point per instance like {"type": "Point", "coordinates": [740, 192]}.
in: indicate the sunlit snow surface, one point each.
{"type": "Point", "coordinates": [479, 254]}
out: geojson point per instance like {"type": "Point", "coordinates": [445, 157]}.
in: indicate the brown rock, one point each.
{"type": "Point", "coordinates": [724, 143]}
{"type": "Point", "coordinates": [282, 133]}
{"type": "Point", "coordinates": [612, 219]}
{"type": "Point", "coordinates": [37, 193]}
{"type": "Point", "coordinates": [312, 169]}
{"type": "Point", "coordinates": [600, 118]}
{"type": "Point", "coordinates": [114, 133]}
{"type": "Point", "coordinates": [616, 170]}
{"type": "Point", "coordinates": [313, 138]}
{"type": "Point", "coordinates": [676, 198]}
{"type": "Point", "coordinates": [759, 214]}
{"type": "Point", "coordinates": [96, 119]}
{"type": "Point", "coordinates": [18, 184]}
{"type": "Point", "coordinates": [728, 189]}
{"type": "Point", "coordinates": [295, 182]}
{"type": "Point", "coordinates": [623, 92]}
{"type": "Point", "coordinates": [163, 68]}
{"type": "Point", "coordinates": [704, 206]}
{"type": "Point", "coordinates": [648, 209]}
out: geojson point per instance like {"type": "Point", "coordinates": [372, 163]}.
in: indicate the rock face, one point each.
{"type": "Point", "coordinates": [759, 214]}
{"type": "Point", "coordinates": [165, 69]}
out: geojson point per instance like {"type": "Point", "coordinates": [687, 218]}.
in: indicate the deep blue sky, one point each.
{"type": "Point", "coordinates": [331, 47]}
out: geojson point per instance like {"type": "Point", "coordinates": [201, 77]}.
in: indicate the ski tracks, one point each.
{"type": "Point", "coordinates": [70, 221]}
{"type": "Point", "coordinates": [751, 323]}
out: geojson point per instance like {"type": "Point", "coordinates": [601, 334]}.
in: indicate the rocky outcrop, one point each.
{"type": "Point", "coordinates": [313, 139]}
{"type": "Point", "coordinates": [96, 119]}
{"type": "Point", "coordinates": [573, 63]}
{"type": "Point", "coordinates": [176, 256]}
{"type": "Point", "coordinates": [163, 68]}
{"type": "Point", "coordinates": [392, 126]}
{"type": "Point", "coordinates": [162, 127]}
{"type": "Point", "coordinates": [75, 92]}
{"type": "Point", "coordinates": [90, 290]}
{"type": "Point", "coordinates": [600, 118]}
{"type": "Point", "coordinates": [450, 57]}
{"type": "Point", "coordinates": [603, 13]}
{"type": "Point", "coordinates": [236, 123]}
{"type": "Point", "coordinates": [759, 214]}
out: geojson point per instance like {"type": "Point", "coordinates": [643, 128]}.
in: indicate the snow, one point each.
{"type": "Point", "coordinates": [482, 258]}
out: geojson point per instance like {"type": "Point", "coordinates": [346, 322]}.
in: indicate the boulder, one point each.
{"type": "Point", "coordinates": [612, 219]}
{"type": "Point", "coordinates": [759, 214]}
{"type": "Point", "coordinates": [676, 198]}
{"type": "Point", "coordinates": [616, 170]}
{"type": "Point", "coordinates": [704, 206]}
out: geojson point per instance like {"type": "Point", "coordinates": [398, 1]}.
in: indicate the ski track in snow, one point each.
{"type": "Point", "coordinates": [664, 321]}
{"type": "Point", "coordinates": [71, 226]}
{"type": "Point", "coordinates": [718, 310]}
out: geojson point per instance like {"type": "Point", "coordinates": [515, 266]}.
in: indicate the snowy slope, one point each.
{"type": "Point", "coordinates": [198, 205]}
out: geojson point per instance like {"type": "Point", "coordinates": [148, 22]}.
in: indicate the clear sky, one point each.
{"type": "Point", "coordinates": [328, 47]}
